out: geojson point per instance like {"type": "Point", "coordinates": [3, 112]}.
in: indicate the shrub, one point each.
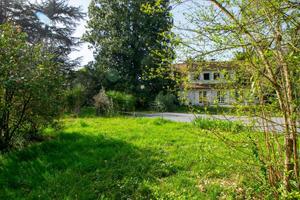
{"type": "Point", "coordinates": [87, 112]}
{"type": "Point", "coordinates": [102, 103]}
{"type": "Point", "coordinates": [30, 87]}
{"type": "Point", "coordinates": [122, 101]}
{"type": "Point", "coordinates": [165, 102]}
{"type": "Point", "coordinates": [75, 98]}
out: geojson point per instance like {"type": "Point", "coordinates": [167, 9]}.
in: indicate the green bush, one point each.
{"type": "Point", "coordinates": [122, 101]}
{"type": "Point", "coordinates": [165, 102]}
{"type": "Point", "coordinates": [31, 88]}
{"type": "Point", "coordinates": [75, 98]}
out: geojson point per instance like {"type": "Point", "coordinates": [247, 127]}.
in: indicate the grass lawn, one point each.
{"type": "Point", "coordinates": [131, 158]}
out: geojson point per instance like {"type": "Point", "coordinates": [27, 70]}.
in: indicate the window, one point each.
{"type": "Point", "coordinates": [221, 97]}
{"type": "Point", "coordinates": [206, 76]}
{"type": "Point", "coordinates": [216, 76]}
{"type": "Point", "coordinates": [202, 97]}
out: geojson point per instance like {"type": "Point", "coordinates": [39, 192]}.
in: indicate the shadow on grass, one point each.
{"type": "Point", "coordinates": [77, 166]}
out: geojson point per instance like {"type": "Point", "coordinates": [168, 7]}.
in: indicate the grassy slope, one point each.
{"type": "Point", "coordinates": [126, 158]}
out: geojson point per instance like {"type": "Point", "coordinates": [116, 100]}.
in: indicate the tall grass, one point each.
{"type": "Point", "coordinates": [130, 158]}
{"type": "Point", "coordinates": [221, 125]}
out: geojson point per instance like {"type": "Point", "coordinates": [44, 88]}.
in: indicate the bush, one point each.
{"type": "Point", "coordinates": [122, 101]}
{"type": "Point", "coordinates": [165, 102]}
{"type": "Point", "coordinates": [30, 87]}
{"type": "Point", "coordinates": [102, 103]}
{"type": "Point", "coordinates": [75, 98]}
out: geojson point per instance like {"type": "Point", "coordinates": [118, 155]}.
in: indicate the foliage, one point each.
{"type": "Point", "coordinates": [102, 103]}
{"type": "Point", "coordinates": [132, 158]}
{"type": "Point", "coordinates": [265, 36]}
{"type": "Point", "coordinates": [49, 22]}
{"type": "Point", "coordinates": [132, 46]}
{"type": "Point", "coordinates": [122, 101]}
{"type": "Point", "coordinates": [93, 79]}
{"type": "Point", "coordinates": [87, 112]}
{"type": "Point", "coordinates": [165, 102]}
{"type": "Point", "coordinates": [75, 98]}
{"type": "Point", "coordinates": [30, 87]}
{"type": "Point", "coordinates": [222, 125]}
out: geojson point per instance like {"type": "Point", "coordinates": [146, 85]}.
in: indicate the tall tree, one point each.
{"type": "Point", "coordinates": [50, 22]}
{"type": "Point", "coordinates": [130, 43]}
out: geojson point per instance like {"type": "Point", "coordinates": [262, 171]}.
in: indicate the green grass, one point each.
{"type": "Point", "coordinates": [221, 125]}
{"type": "Point", "coordinates": [131, 158]}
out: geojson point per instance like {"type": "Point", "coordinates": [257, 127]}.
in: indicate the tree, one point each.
{"type": "Point", "coordinates": [267, 32]}
{"type": "Point", "coordinates": [50, 22]}
{"type": "Point", "coordinates": [31, 86]}
{"type": "Point", "coordinates": [130, 43]}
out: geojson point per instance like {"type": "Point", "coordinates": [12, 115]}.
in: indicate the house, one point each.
{"type": "Point", "coordinates": [208, 83]}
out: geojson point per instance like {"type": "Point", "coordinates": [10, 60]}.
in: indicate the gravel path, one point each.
{"type": "Point", "coordinates": [276, 125]}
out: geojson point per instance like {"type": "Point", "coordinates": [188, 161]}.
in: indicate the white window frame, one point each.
{"type": "Point", "coordinates": [203, 96]}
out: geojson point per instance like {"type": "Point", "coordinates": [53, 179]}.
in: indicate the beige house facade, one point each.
{"type": "Point", "coordinates": [208, 83]}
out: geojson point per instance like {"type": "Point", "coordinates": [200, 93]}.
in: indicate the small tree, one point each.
{"type": "Point", "coordinates": [30, 87]}
{"type": "Point", "coordinates": [102, 103]}
{"type": "Point", "coordinates": [267, 32]}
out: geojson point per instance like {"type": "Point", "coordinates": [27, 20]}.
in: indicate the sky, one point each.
{"type": "Point", "coordinates": [83, 51]}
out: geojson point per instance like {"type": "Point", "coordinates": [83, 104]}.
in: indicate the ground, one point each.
{"type": "Point", "coordinates": [277, 123]}
{"type": "Point", "coordinates": [131, 158]}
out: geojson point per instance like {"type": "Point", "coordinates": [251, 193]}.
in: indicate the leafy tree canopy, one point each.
{"type": "Point", "coordinates": [55, 30]}
{"type": "Point", "coordinates": [31, 85]}
{"type": "Point", "coordinates": [132, 44]}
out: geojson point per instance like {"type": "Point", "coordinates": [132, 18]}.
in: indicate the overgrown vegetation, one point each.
{"type": "Point", "coordinates": [36, 40]}
{"type": "Point", "coordinates": [165, 102]}
{"type": "Point", "coordinates": [121, 101]}
{"type": "Point", "coordinates": [264, 36]}
{"type": "Point", "coordinates": [113, 103]}
{"type": "Point", "coordinates": [102, 103]}
{"type": "Point", "coordinates": [134, 158]}
{"type": "Point", "coordinates": [133, 48]}
{"type": "Point", "coordinates": [75, 98]}
{"type": "Point", "coordinates": [221, 125]}
{"type": "Point", "coordinates": [30, 87]}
